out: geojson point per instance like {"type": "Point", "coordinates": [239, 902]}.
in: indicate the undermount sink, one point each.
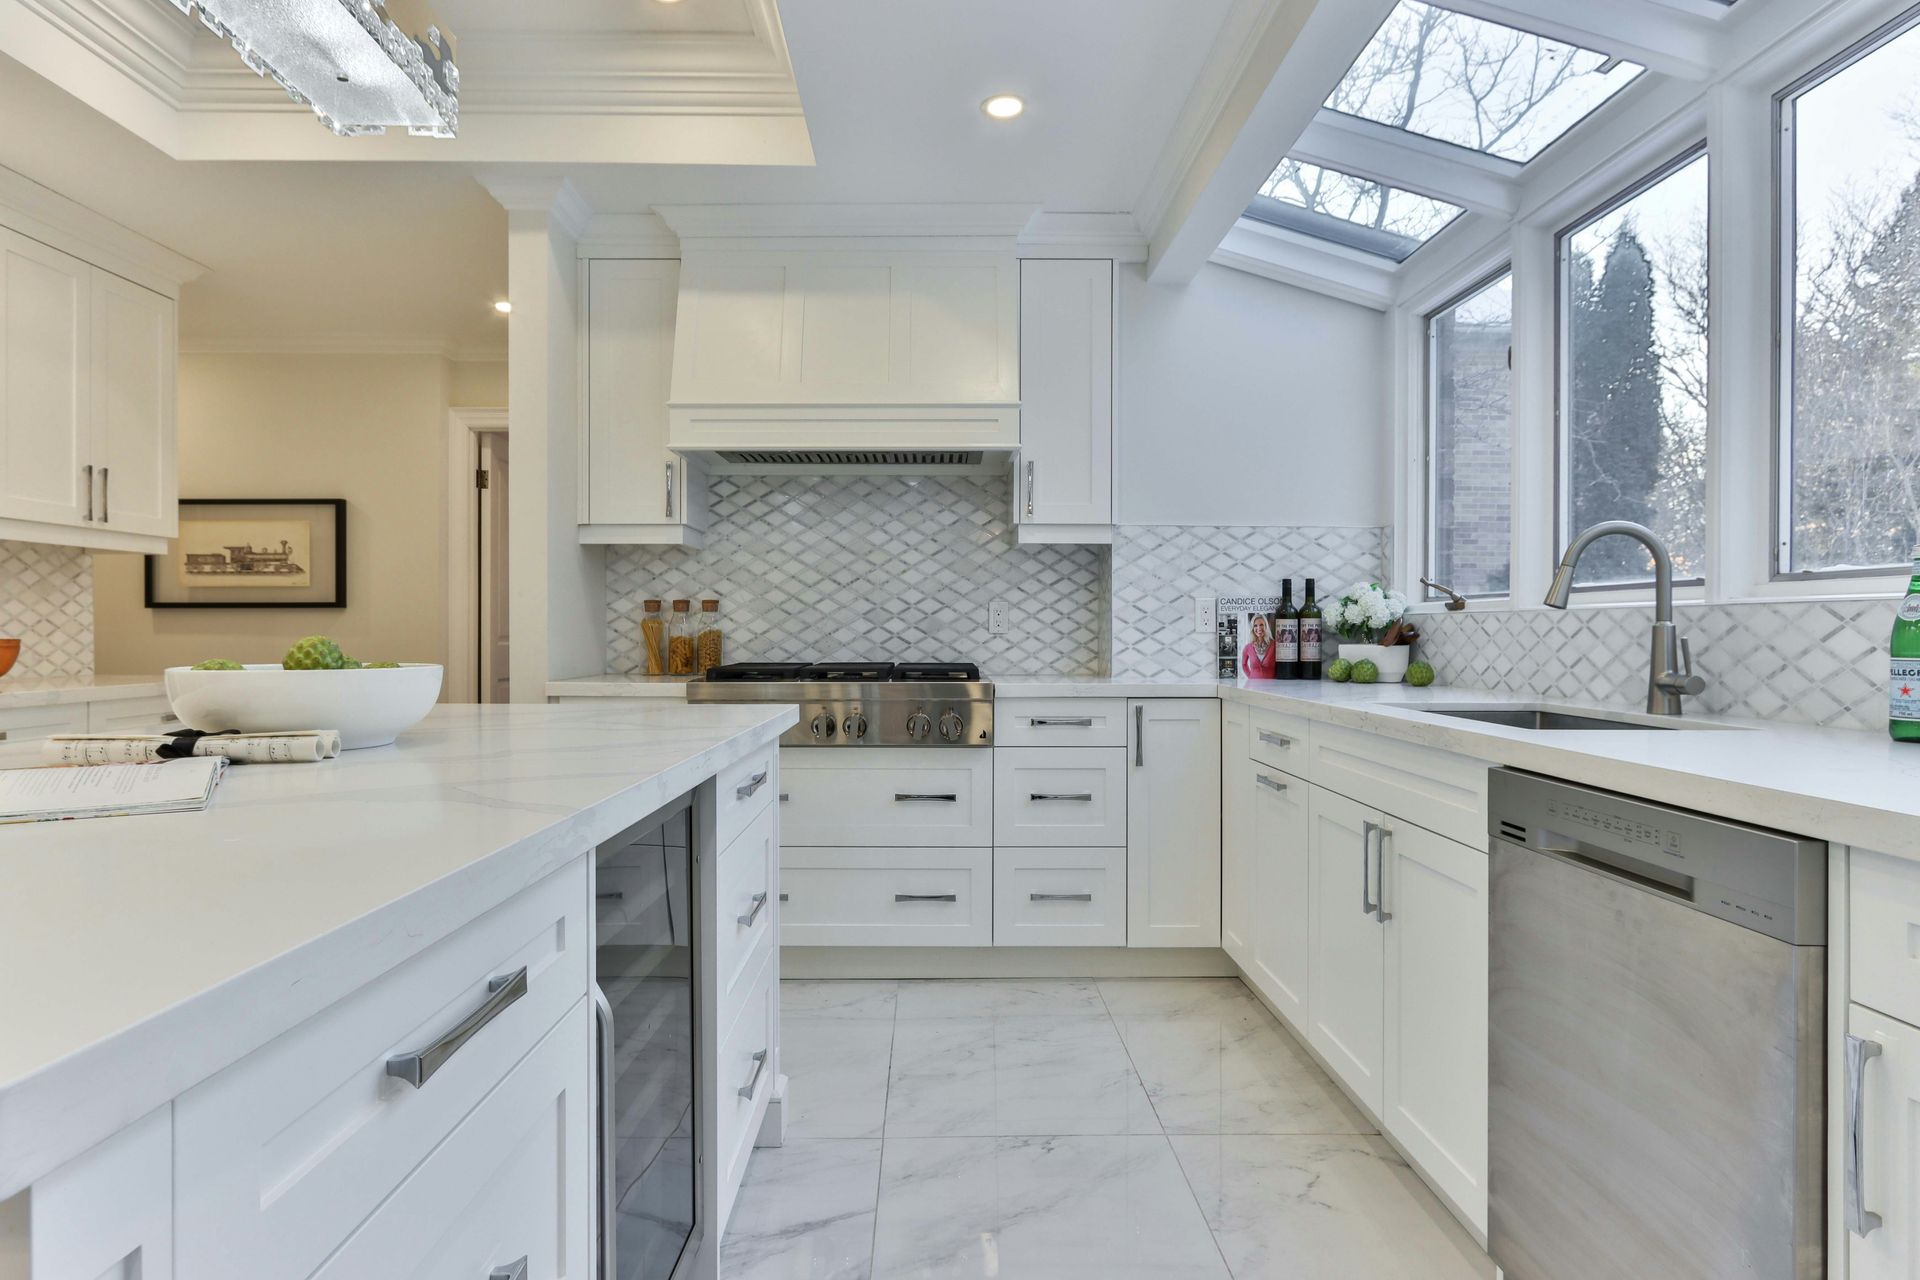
{"type": "Point", "coordinates": [1549, 719]}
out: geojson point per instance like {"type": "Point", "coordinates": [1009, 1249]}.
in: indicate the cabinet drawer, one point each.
{"type": "Point", "coordinates": [1278, 739]}
{"type": "Point", "coordinates": [279, 1157]}
{"type": "Point", "coordinates": [512, 1181]}
{"type": "Point", "coordinates": [1060, 897]}
{"type": "Point", "coordinates": [139, 715]}
{"type": "Point", "coordinates": [1060, 796]}
{"type": "Point", "coordinates": [748, 1062]}
{"type": "Point", "coordinates": [31, 724]}
{"type": "Point", "coordinates": [1883, 933]}
{"type": "Point", "coordinates": [744, 890]}
{"type": "Point", "coordinates": [925, 797]}
{"type": "Point", "coordinates": [745, 790]}
{"type": "Point", "coordinates": [886, 897]}
{"type": "Point", "coordinates": [1060, 722]}
{"type": "Point", "coordinates": [1445, 793]}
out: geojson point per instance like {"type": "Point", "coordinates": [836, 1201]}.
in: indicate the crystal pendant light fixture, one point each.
{"type": "Point", "coordinates": [362, 65]}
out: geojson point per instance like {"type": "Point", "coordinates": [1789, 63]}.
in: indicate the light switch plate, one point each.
{"type": "Point", "coordinates": [999, 618]}
{"type": "Point", "coordinates": [1204, 618]}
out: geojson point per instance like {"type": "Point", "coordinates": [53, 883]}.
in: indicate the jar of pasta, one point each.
{"type": "Point", "coordinates": [653, 637]}
{"type": "Point", "coordinates": [708, 645]}
{"type": "Point", "coordinates": [680, 639]}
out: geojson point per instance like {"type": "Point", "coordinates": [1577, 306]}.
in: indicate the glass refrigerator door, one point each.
{"type": "Point", "coordinates": [645, 956]}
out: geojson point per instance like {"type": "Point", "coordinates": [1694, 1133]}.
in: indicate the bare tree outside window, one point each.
{"type": "Point", "coordinates": [1850, 432]}
{"type": "Point", "coordinates": [1360, 201]}
{"type": "Point", "coordinates": [1470, 441]}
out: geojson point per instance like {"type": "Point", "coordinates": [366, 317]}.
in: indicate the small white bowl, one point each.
{"type": "Point", "coordinates": [368, 706]}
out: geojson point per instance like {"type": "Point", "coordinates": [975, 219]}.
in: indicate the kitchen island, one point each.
{"type": "Point", "coordinates": [153, 958]}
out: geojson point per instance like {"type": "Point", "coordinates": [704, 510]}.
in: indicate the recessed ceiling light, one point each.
{"type": "Point", "coordinates": [503, 306]}
{"type": "Point", "coordinates": [1004, 106]}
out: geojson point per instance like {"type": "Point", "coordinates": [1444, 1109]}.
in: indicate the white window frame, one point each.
{"type": "Point", "coordinates": [1428, 389]}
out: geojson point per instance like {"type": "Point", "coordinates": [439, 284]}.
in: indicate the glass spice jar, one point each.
{"type": "Point", "coordinates": [680, 639]}
{"type": "Point", "coordinates": [653, 637]}
{"type": "Point", "coordinates": [708, 646]}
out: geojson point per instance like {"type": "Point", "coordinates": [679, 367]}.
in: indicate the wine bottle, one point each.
{"type": "Point", "coordinates": [1286, 633]}
{"type": "Point", "coordinates": [1308, 668]}
{"type": "Point", "coordinates": [1903, 717]}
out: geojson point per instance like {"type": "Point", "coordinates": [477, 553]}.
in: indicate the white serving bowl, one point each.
{"type": "Point", "coordinates": [368, 706]}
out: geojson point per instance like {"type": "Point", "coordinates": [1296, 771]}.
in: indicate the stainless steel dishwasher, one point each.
{"type": "Point", "coordinates": [1656, 1021]}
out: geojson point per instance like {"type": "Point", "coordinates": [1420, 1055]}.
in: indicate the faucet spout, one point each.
{"type": "Point", "coordinates": [1670, 669]}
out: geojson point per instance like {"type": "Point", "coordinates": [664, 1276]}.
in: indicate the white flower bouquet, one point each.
{"type": "Point", "coordinates": [1364, 612]}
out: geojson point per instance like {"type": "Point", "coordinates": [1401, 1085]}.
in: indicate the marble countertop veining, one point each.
{"type": "Point", "coordinates": [144, 954]}
{"type": "Point", "coordinates": [47, 691]}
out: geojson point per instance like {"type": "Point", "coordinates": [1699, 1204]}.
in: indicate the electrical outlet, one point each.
{"type": "Point", "coordinates": [999, 618]}
{"type": "Point", "coordinates": [1204, 618]}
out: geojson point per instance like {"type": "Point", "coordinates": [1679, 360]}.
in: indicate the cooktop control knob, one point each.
{"type": "Point", "coordinates": [919, 726]}
{"type": "Point", "coordinates": [823, 727]}
{"type": "Point", "coordinates": [856, 726]}
{"type": "Point", "coordinates": [950, 727]}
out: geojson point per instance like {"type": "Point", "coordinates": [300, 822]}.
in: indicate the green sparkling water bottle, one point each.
{"type": "Point", "coordinates": [1903, 719]}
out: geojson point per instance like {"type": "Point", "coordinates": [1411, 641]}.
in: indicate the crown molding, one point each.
{"type": "Point", "coordinates": [627, 235]}
{"type": "Point", "coordinates": [1084, 235]}
{"type": "Point", "coordinates": [852, 221]}
{"type": "Point", "coordinates": [540, 193]}
{"type": "Point", "coordinates": [43, 214]}
{"type": "Point", "coordinates": [347, 344]}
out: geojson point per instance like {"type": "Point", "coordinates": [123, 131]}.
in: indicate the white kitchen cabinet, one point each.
{"type": "Point", "coordinates": [1346, 996]}
{"type": "Point", "coordinates": [31, 724]}
{"type": "Point", "coordinates": [1055, 897]}
{"type": "Point", "coordinates": [1282, 875]}
{"type": "Point", "coordinates": [134, 438]}
{"type": "Point", "coordinates": [886, 897]}
{"type": "Point", "coordinates": [1064, 478]}
{"type": "Point", "coordinates": [634, 489]}
{"type": "Point", "coordinates": [1236, 838]}
{"type": "Point", "coordinates": [1173, 822]}
{"type": "Point", "coordinates": [132, 715]}
{"type": "Point", "coordinates": [107, 1213]}
{"type": "Point", "coordinates": [46, 385]}
{"type": "Point", "coordinates": [1888, 1183]}
{"type": "Point", "coordinates": [1060, 796]}
{"type": "Point", "coordinates": [1883, 934]}
{"type": "Point", "coordinates": [1434, 896]}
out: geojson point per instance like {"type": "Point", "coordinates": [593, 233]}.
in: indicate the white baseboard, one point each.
{"type": "Point", "coordinates": [1005, 962]}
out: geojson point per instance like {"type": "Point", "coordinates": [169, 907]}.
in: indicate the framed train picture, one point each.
{"type": "Point", "coordinates": [254, 553]}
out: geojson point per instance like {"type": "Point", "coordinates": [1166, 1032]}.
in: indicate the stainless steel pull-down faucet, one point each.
{"type": "Point", "coordinates": [1670, 664]}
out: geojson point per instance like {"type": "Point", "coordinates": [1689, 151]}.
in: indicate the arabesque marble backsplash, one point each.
{"type": "Point", "coordinates": [46, 600]}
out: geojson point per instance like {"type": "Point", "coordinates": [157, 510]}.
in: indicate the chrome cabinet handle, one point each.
{"type": "Point", "coordinates": [926, 897]}
{"type": "Point", "coordinates": [1367, 905]}
{"type": "Point", "coordinates": [669, 491]}
{"type": "Point", "coordinates": [1380, 911]}
{"type": "Point", "coordinates": [1059, 897]}
{"type": "Point", "coordinates": [1139, 736]}
{"type": "Point", "coordinates": [612, 895]}
{"type": "Point", "coordinates": [750, 786]}
{"type": "Point", "coordinates": [1275, 739]}
{"type": "Point", "coordinates": [1269, 783]}
{"type": "Point", "coordinates": [748, 1089]}
{"type": "Point", "coordinates": [785, 796]}
{"type": "Point", "coordinates": [916, 797]}
{"type": "Point", "coordinates": [1060, 722]}
{"type": "Point", "coordinates": [105, 517]}
{"type": "Point", "coordinates": [1029, 490]}
{"type": "Point", "coordinates": [609, 1238]}
{"type": "Point", "coordinates": [1080, 797]}
{"type": "Point", "coordinates": [1860, 1051]}
{"type": "Point", "coordinates": [419, 1067]}
{"type": "Point", "coordinates": [512, 1271]}
{"type": "Point", "coordinates": [784, 897]}
{"type": "Point", "coordinates": [86, 473]}
{"type": "Point", "coordinates": [759, 904]}
{"type": "Point", "coordinates": [3, 735]}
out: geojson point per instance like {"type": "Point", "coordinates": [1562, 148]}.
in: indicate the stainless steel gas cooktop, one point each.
{"type": "Point", "coordinates": [864, 704]}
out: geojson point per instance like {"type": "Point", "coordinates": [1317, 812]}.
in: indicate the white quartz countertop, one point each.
{"type": "Point", "coordinates": [144, 954]}
{"type": "Point", "coordinates": [1842, 785]}
{"type": "Point", "coordinates": [616, 685]}
{"type": "Point", "coordinates": [47, 691]}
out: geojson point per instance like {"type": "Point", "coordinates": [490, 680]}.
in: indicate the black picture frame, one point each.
{"type": "Point", "coordinates": [334, 508]}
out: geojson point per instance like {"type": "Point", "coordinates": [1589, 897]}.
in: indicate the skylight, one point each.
{"type": "Point", "coordinates": [1356, 212]}
{"type": "Point", "coordinates": [1476, 84]}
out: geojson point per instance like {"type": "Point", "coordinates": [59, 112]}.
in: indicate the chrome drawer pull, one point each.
{"type": "Point", "coordinates": [1269, 783]}
{"type": "Point", "coordinates": [926, 897]}
{"type": "Point", "coordinates": [1859, 1052]}
{"type": "Point", "coordinates": [105, 518]}
{"type": "Point", "coordinates": [785, 796]}
{"type": "Point", "coordinates": [752, 785]}
{"type": "Point", "coordinates": [1078, 797]}
{"type": "Point", "coordinates": [1367, 905]}
{"type": "Point", "coordinates": [784, 897]}
{"type": "Point", "coordinates": [1139, 736]}
{"type": "Point", "coordinates": [512, 1271]}
{"type": "Point", "coordinates": [613, 895]}
{"type": "Point", "coordinates": [759, 904]}
{"type": "Point", "coordinates": [1060, 722]}
{"type": "Point", "coordinates": [753, 1081]}
{"type": "Point", "coordinates": [87, 472]}
{"type": "Point", "coordinates": [418, 1068]}
{"type": "Point", "coordinates": [1275, 739]}
{"type": "Point", "coordinates": [1059, 897]}
{"type": "Point", "coordinates": [912, 797]}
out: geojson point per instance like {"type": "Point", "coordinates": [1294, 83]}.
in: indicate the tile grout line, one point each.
{"type": "Point", "coordinates": [880, 1165]}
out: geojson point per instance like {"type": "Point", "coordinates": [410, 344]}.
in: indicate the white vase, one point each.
{"type": "Point", "coordinates": [1392, 662]}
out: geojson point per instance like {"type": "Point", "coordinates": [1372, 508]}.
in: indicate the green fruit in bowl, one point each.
{"type": "Point", "coordinates": [1364, 672]}
{"type": "Point", "coordinates": [1420, 674]}
{"type": "Point", "coordinates": [381, 666]}
{"type": "Point", "coordinates": [314, 653]}
{"type": "Point", "coordinates": [218, 664]}
{"type": "Point", "coordinates": [1340, 670]}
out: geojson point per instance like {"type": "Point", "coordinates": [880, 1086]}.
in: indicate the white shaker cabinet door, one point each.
{"type": "Point", "coordinates": [134, 438]}
{"type": "Point", "coordinates": [1066, 393]}
{"type": "Point", "coordinates": [1282, 887]}
{"type": "Point", "coordinates": [46, 385]}
{"type": "Point", "coordinates": [1173, 822]}
{"type": "Point", "coordinates": [632, 478]}
{"type": "Point", "coordinates": [108, 1213]}
{"type": "Point", "coordinates": [1236, 838]}
{"type": "Point", "coordinates": [1882, 1073]}
{"type": "Point", "coordinates": [1347, 955]}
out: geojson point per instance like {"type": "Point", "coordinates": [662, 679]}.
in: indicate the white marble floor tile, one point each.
{"type": "Point", "coordinates": [1324, 1208]}
{"type": "Point", "coordinates": [979, 999]}
{"type": "Point", "coordinates": [805, 1212]}
{"type": "Point", "coordinates": [1013, 1075]}
{"type": "Point", "coordinates": [838, 999]}
{"type": "Point", "coordinates": [1181, 998]}
{"type": "Point", "coordinates": [1058, 1208]}
{"type": "Point", "coordinates": [838, 1068]}
{"type": "Point", "coordinates": [1233, 1072]}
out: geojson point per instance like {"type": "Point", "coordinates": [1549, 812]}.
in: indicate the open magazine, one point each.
{"type": "Point", "coordinates": [109, 790]}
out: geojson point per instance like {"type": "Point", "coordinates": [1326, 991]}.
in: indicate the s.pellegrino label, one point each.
{"type": "Point", "coordinates": [1903, 703]}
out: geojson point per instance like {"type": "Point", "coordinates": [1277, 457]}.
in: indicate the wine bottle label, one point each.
{"type": "Point", "coordinates": [1905, 701]}
{"type": "Point", "coordinates": [1309, 639]}
{"type": "Point", "coordinates": [1286, 645]}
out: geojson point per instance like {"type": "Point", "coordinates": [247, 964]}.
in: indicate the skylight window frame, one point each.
{"type": "Point", "coordinates": [1429, 371]}
{"type": "Point", "coordinates": [1316, 224]}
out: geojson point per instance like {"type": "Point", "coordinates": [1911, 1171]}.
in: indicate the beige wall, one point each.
{"type": "Point", "coordinates": [370, 429]}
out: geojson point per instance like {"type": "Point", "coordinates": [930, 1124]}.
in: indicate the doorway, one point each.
{"type": "Point", "coordinates": [479, 645]}
{"type": "Point", "coordinates": [491, 640]}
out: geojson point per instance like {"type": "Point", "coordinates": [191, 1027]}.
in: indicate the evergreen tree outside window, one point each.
{"type": "Point", "coordinates": [1849, 435]}
{"type": "Point", "coordinates": [1633, 384]}
{"type": "Point", "coordinates": [1470, 441]}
